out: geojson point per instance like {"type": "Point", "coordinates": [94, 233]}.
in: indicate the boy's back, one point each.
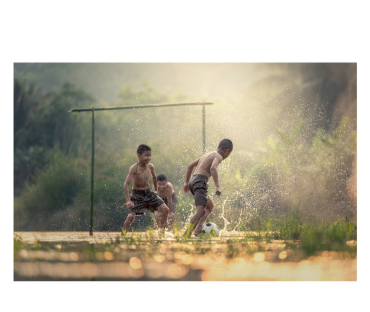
{"type": "Point", "coordinates": [205, 163]}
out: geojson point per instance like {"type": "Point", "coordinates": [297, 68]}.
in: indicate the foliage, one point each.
{"type": "Point", "coordinates": [286, 175]}
{"type": "Point", "coordinates": [53, 190]}
{"type": "Point", "coordinates": [42, 127]}
{"type": "Point", "coordinates": [321, 93]}
{"type": "Point", "coordinates": [283, 174]}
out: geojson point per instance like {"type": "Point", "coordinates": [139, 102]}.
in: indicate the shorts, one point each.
{"type": "Point", "coordinates": [198, 186]}
{"type": "Point", "coordinates": [174, 202]}
{"type": "Point", "coordinates": [144, 199]}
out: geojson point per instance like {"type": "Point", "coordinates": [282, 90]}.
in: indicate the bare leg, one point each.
{"type": "Point", "coordinates": [171, 219]}
{"type": "Point", "coordinates": [162, 216]}
{"type": "Point", "coordinates": [130, 218]}
{"type": "Point", "coordinates": [203, 219]}
{"type": "Point", "coordinates": [194, 220]}
{"type": "Point", "coordinates": [156, 216]}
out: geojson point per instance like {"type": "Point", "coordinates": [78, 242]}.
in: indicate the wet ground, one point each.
{"type": "Point", "coordinates": [147, 256]}
{"type": "Point", "coordinates": [102, 237]}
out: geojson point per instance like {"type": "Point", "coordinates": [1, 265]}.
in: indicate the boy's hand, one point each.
{"type": "Point", "coordinates": [186, 188]}
{"type": "Point", "coordinates": [218, 192]}
{"type": "Point", "coordinates": [130, 204]}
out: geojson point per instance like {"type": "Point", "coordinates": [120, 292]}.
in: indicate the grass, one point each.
{"type": "Point", "coordinates": [305, 237]}
{"type": "Point", "coordinates": [295, 239]}
{"type": "Point", "coordinates": [148, 255]}
{"type": "Point", "coordinates": [311, 236]}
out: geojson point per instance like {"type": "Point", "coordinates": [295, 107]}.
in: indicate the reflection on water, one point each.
{"type": "Point", "coordinates": [315, 269]}
{"type": "Point", "coordinates": [217, 269]}
{"type": "Point", "coordinates": [101, 237]}
{"type": "Point", "coordinates": [104, 256]}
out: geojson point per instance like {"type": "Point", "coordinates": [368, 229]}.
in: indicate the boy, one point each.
{"type": "Point", "coordinates": [206, 167]}
{"type": "Point", "coordinates": [167, 193]}
{"type": "Point", "coordinates": [142, 197]}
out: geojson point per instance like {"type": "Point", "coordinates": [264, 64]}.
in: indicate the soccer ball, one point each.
{"type": "Point", "coordinates": [211, 228]}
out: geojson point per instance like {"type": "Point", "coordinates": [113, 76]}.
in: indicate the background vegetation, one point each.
{"type": "Point", "coordinates": [293, 128]}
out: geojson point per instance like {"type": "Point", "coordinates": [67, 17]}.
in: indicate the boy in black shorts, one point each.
{"type": "Point", "coordinates": [167, 193]}
{"type": "Point", "coordinates": [142, 197]}
{"type": "Point", "coordinates": [206, 166]}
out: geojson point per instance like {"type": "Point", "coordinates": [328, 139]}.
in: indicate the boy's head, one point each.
{"type": "Point", "coordinates": [161, 182]}
{"type": "Point", "coordinates": [225, 148]}
{"type": "Point", "coordinates": [144, 153]}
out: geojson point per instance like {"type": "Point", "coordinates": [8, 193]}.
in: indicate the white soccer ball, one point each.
{"type": "Point", "coordinates": [211, 228]}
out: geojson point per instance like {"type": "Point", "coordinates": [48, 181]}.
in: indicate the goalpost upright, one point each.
{"type": "Point", "coordinates": [93, 110]}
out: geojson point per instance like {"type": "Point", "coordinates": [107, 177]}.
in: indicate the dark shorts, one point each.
{"type": "Point", "coordinates": [198, 186]}
{"type": "Point", "coordinates": [174, 202]}
{"type": "Point", "coordinates": [144, 199]}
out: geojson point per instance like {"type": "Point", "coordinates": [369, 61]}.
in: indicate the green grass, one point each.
{"type": "Point", "coordinates": [311, 236]}
{"type": "Point", "coordinates": [305, 238]}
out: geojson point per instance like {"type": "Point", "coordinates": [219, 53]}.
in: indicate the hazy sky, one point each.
{"type": "Point", "coordinates": [106, 79]}
{"type": "Point", "coordinates": [201, 78]}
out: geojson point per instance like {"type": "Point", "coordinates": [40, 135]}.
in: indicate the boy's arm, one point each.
{"type": "Point", "coordinates": [129, 177]}
{"type": "Point", "coordinates": [154, 177]}
{"type": "Point", "coordinates": [188, 174]}
{"type": "Point", "coordinates": [169, 197]}
{"type": "Point", "coordinates": [214, 174]}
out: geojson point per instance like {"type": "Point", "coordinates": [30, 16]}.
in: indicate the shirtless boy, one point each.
{"type": "Point", "coordinates": [167, 193]}
{"type": "Point", "coordinates": [142, 197]}
{"type": "Point", "coordinates": [206, 166]}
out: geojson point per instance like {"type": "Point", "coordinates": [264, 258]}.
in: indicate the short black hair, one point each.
{"type": "Point", "coordinates": [143, 148]}
{"type": "Point", "coordinates": [161, 177]}
{"type": "Point", "coordinates": [225, 144]}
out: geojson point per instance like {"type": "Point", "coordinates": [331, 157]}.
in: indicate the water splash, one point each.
{"type": "Point", "coordinates": [190, 214]}
{"type": "Point", "coordinates": [226, 222]}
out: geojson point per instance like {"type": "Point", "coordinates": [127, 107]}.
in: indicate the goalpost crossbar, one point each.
{"type": "Point", "coordinates": [93, 110]}
{"type": "Point", "coordinates": [136, 106]}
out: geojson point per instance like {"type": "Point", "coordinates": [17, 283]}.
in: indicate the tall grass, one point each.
{"type": "Point", "coordinates": [312, 236]}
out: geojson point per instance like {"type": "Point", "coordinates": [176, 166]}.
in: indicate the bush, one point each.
{"type": "Point", "coordinates": [54, 189]}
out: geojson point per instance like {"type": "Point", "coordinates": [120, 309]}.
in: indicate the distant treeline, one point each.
{"type": "Point", "coordinates": [327, 90]}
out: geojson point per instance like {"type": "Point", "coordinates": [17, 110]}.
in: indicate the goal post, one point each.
{"type": "Point", "coordinates": [93, 110]}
